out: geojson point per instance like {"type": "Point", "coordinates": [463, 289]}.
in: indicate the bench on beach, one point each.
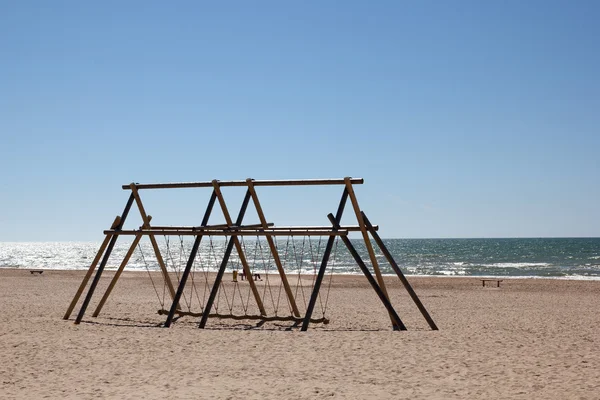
{"type": "Point", "coordinates": [483, 281]}
{"type": "Point", "coordinates": [36, 271]}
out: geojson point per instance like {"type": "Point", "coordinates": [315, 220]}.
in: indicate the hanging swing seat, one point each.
{"type": "Point", "coordinates": [264, 318]}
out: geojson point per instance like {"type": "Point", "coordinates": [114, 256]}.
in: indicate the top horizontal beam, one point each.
{"type": "Point", "coordinates": [292, 182]}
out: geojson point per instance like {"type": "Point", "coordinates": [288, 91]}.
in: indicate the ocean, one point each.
{"type": "Point", "coordinates": [567, 258]}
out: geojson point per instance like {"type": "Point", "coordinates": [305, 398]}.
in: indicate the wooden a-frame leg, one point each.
{"type": "Point", "coordinates": [115, 278]}
{"type": "Point", "coordinates": [397, 323]}
{"type": "Point", "coordinates": [190, 262]}
{"type": "Point", "coordinates": [111, 245]}
{"type": "Point", "coordinates": [159, 259]}
{"type": "Point", "coordinates": [117, 275]}
{"type": "Point", "coordinates": [365, 235]}
{"type": "Point", "coordinates": [239, 249]}
{"type": "Point", "coordinates": [273, 249]}
{"type": "Point", "coordinates": [326, 253]}
{"type": "Point", "coordinates": [219, 277]}
{"type": "Point", "coordinates": [90, 270]}
{"type": "Point", "coordinates": [399, 272]}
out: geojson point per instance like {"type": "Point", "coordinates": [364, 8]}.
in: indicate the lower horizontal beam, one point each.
{"type": "Point", "coordinates": [199, 228]}
{"type": "Point", "coordinates": [247, 317]}
{"type": "Point", "coordinates": [221, 232]}
{"type": "Point", "coordinates": [349, 228]}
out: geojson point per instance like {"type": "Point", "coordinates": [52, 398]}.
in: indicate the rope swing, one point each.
{"type": "Point", "coordinates": [234, 298]}
{"type": "Point", "coordinates": [161, 300]}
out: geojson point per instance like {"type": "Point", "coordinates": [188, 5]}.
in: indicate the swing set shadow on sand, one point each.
{"type": "Point", "coordinates": [234, 233]}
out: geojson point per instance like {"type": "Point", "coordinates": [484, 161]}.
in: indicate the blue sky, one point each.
{"type": "Point", "coordinates": [465, 118]}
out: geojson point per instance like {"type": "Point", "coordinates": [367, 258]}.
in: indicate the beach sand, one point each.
{"type": "Point", "coordinates": [528, 339]}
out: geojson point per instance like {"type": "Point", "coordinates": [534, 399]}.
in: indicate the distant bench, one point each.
{"type": "Point", "coordinates": [483, 281]}
{"type": "Point", "coordinates": [36, 271]}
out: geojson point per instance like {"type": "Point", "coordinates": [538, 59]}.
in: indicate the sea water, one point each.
{"type": "Point", "coordinates": [572, 258]}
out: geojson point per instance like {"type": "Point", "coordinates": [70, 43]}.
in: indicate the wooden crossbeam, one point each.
{"type": "Point", "coordinates": [292, 182]}
{"type": "Point", "coordinates": [232, 232]}
{"type": "Point", "coordinates": [270, 225]}
{"type": "Point", "coordinates": [200, 227]}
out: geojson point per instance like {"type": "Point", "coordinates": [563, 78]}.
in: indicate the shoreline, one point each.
{"type": "Point", "coordinates": [566, 278]}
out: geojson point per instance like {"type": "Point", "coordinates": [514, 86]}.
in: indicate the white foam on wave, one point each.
{"type": "Point", "coordinates": [569, 278]}
{"type": "Point", "coordinates": [516, 265]}
{"type": "Point", "coordinates": [448, 272]}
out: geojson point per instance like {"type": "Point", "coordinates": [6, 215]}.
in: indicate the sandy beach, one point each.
{"type": "Point", "coordinates": [528, 339]}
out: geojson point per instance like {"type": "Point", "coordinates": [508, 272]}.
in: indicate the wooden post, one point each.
{"type": "Point", "coordinates": [274, 252]}
{"type": "Point", "coordinates": [239, 249]}
{"type": "Point", "coordinates": [190, 262]}
{"type": "Point", "coordinates": [399, 272]}
{"type": "Point", "coordinates": [365, 235]}
{"type": "Point", "coordinates": [91, 270]}
{"type": "Point", "coordinates": [396, 321]}
{"type": "Point", "coordinates": [219, 277]}
{"type": "Point", "coordinates": [111, 245]}
{"type": "Point", "coordinates": [146, 225]}
{"type": "Point", "coordinates": [117, 275]}
{"type": "Point", "coordinates": [321, 273]}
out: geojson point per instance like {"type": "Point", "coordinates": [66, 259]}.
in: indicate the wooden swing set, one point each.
{"type": "Point", "coordinates": [264, 263]}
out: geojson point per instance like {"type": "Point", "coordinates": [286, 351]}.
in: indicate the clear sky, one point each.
{"type": "Point", "coordinates": [465, 118]}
